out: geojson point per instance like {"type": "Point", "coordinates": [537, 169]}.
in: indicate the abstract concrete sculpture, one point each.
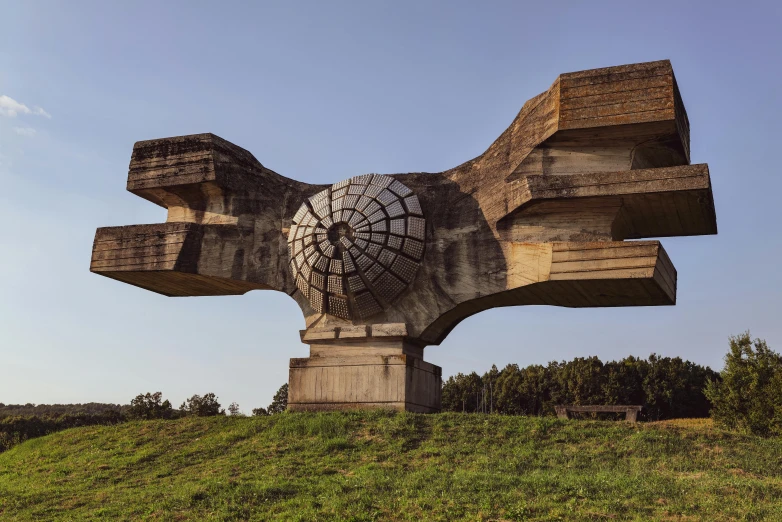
{"type": "Point", "coordinates": [384, 265]}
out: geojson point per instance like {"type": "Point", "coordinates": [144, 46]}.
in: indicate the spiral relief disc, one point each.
{"type": "Point", "coordinates": [356, 246]}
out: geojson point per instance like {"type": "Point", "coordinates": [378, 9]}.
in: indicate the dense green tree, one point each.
{"type": "Point", "coordinates": [279, 401]}
{"type": "Point", "coordinates": [579, 381]}
{"type": "Point", "coordinates": [508, 391]}
{"type": "Point", "coordinates": [623, 381]}
{"type": "Point", "coordinates": [462, 393]}
{"type": "Point", "coordinates": [537, 388]}
{"type": "Point", "coordinates": [206, 406]}
{"type": "Point", "coordinates": [748, 397]}
{"type": "Point", "coordinates": [674, 388]}
{"type": "Point", "coordinates": [150, 406]}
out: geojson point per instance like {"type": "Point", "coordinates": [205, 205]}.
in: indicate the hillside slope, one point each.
{"type": "Point", "coordinates": [384, 466]}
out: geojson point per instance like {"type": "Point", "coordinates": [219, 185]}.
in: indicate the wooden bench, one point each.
{"type": "Point", "coordinates": [631, 412]}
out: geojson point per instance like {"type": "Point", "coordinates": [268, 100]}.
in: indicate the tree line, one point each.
{"type": "Point", "coordinates": [745, 396]}
{"type": "Point", "coordinates": [20, 422]}
{"type": "Point", "coordinates": [666, 387]}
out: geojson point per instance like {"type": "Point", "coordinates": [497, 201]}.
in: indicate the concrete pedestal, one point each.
{"type": "Point", "coordinates": [369, 372]}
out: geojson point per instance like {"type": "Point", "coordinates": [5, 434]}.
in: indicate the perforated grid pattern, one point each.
{"type": "Point", "coordinates": [364, 262]}
{"type": "Point", "coordinates": [316, 300]}
{"type": "Point", "coordinates": [335, 285]}
{"type": "Point", "coordinates": [377, 216]}
{"type": "Point", "coordinates": [374, 271]}
{"type": "Point", "coordinates": [303, 285]}
{"type": "Point", "coordinates": [405, 268]}
{"type": "Point", "coordinates": [386, 197]}
{"type": "Point", "coordinates": [415, 227]}
{"type": "Point", "coordinates": [363, 202]}
{"type": "Point", "coordinates": [338, 306]}
{"type": "Point", "coordinates": [389, 287]}
{"type": "Point", "coordinates": [348, 263]}
{"type": "Point", "coordinates": [413, 248]}
{"type": "Point", "coordinates": [337, 186]}
{"type": "Point", "coordinates": [318, 281]}
{"type": "Point", "coordinates": [395, 209]}
{"type": "Point", "coordinates": [398, 227]}
{"type": "Point", "coordinates": [382, 181]}
{"type": "Point", "coordinates": [413, 206]}
{"type": "Point", "coordinates": [356, 189]}
{"type": "Point", "coordinates": [367, 305]}
{"type": "Point", "coordinates": [303, 211]}
{"type": "Point", "coordinates": [373, 250]}
{"type": "Point", "coordinates": [373, 191]}
{"type": "Point", "coordinates": [355, 283]}
{"type": "Point", "coordinates": [363, 179]}
{"type": "Point", "coordinates": [386, 257]}
{"type": "Point", "coordinates": [371, 208]}
{"type": "Point", "coordinates": [335, 265]}
{"type": "Point", "coordinates": [322, 263]}
{"type": "Point", "coordinates": [380, 226]}
{"type": "Point", "coordinates": [400, 189]}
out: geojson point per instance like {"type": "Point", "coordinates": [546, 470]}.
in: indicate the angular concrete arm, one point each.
{"type": "Point", "coordinates": [227, 216]}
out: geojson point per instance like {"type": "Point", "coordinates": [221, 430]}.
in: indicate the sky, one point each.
{"type": "Point", "coordinates": [319, 92]}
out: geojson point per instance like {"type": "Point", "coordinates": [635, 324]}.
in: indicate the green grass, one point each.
{"type": "Point", "coordinates": [385, 466]}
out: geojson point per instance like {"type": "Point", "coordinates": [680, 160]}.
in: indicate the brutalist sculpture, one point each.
{"type": "Point", "coordinates": [384, 265]}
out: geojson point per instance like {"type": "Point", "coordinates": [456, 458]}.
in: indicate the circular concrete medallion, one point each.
{"type": "Point", "coordinates": [356, 246]}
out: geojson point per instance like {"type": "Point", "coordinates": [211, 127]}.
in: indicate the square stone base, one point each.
{"type": "Point", "coordinates": [396, 381]}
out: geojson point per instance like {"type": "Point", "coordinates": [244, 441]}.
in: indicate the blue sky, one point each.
{"type": "Point", "coordinates": [322, 91]}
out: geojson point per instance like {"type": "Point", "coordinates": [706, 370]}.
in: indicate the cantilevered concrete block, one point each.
{"type": "Point", "coordinates": [385, 265]}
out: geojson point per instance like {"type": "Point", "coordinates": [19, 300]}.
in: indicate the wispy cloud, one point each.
{"type": "Point", "coordinates": [38, 111]}
{"type": "Point", "coordinates": [25, 131]}
{"type": "Point", "coordinates": [11, 108]}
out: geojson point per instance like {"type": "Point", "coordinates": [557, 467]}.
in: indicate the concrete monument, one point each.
{"type": "Point", "coordinates": [385, 265]}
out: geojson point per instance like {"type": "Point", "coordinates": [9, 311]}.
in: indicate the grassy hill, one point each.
{"type": "Point", "coordinates": [384, 466]}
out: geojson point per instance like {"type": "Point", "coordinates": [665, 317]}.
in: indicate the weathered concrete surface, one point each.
{"type": "Point", "coordinates": [541, 217]}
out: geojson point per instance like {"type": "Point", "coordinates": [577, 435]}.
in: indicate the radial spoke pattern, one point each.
{"type": "Point", "coordinates": [356, 246]}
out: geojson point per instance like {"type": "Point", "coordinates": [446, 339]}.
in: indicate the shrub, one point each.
{"type": "Point", "coordinates": [748, 398]}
